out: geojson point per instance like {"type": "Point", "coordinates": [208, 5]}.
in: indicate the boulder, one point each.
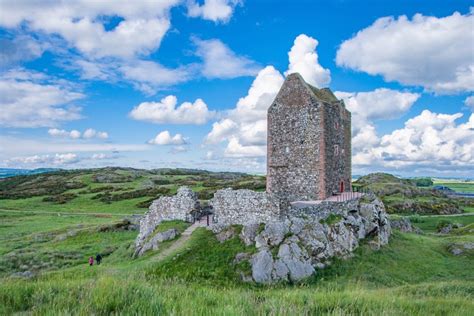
{"type": "Point", "coordinates": [226, 234]}
{"type": "Point", "coordinates": [262, 266]}
{"type": "Point", "coordinates": [248, 233]}
{"type": "Point", "coordinates": [154, 242]}
{"type": "Point", "coordinates": [405, 226]}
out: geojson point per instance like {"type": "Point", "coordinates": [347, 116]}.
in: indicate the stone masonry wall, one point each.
{"type": "Point", "coordinates": [295, 166]}
{"type": "Point", "coordinates": [178, 207]}
{"type": "Point", "coordinates": [308, 143]}
{"type": "Point", "coordinates": [243, 207]}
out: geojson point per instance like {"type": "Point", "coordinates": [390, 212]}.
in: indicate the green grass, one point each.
{"type": "Point", "coordinates": [458, 186]}
{"type": "Point", "coordinates": [413, 275]}
{"type": "Point", "coordinates": [430, 223]}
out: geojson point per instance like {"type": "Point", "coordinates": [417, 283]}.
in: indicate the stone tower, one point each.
{"type": "Point", "coordinates": [309, 143]}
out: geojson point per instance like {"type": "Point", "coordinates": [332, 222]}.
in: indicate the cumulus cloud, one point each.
{"type": "Point", "coordinates": [430, 139]}
{"type": "Point", "coordinates": [30, 99]}
{"type": "Point", "coordinates": [221, 130]}
{"type": "Point", "coordinates": [166, 111]}
{"type": "Point", "coordinates": [213, 10]}
{"type": "Point", "coordinates": [75, 134]}
{"type": "Point", "coordinates": [221, 62]}
{"type": "Point", "coordinates": [139, 31]}
{"type": "Point", "coordinates": [245, 127]}
{"type": "Point", "coordinates": [165, 138]}
{"type": "Point", "coordinates": [470, 102]}
{"type": "Point", "coordinates": [303, 58]}
{"type": "Point", "coordinates": [367, 107]}
{"type": "Point", "coordinates": [425, 51]}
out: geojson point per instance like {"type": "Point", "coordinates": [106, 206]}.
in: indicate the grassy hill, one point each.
{"type": "Point", "coordinates": [404, 196]}
{"type": "Point", "coordinates": [413, 275]}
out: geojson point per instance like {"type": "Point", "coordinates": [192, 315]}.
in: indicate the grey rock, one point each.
{"type": "Point", "coordinates": [262, 266]}
{"type": "Point", "coordinates": [240, 257]}
{"type": "Point", "coordinates": [274, 233]}
{"type": "Point", "coordinates": [248, 233]}
{"type": "Point", "coordinates": [154, 242]}
{"type": "Point", "coordinates": [226, 234]}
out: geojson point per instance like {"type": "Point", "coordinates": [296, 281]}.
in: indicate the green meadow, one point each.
{"type": "Point", "coordinates": [413, 275]}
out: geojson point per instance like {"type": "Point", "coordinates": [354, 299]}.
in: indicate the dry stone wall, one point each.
{"type": "Point", "coordinates": [178, 207]}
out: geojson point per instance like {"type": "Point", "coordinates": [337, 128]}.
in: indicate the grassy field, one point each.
{"type": "Point", "coordinates": [413, 275]}
{"type": "Point", "coordinates": [458, 186]}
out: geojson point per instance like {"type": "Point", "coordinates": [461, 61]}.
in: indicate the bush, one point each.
{"type": "Point", "coordinates": [443, 223]}
{"type": "Point", "coordinates": [416, 219]}
{"type": "Point", "coordinates": [423, 182]}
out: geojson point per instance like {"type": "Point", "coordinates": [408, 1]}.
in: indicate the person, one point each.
{"type": "Point", "coordinates": [91, 261]}
{"type": "Point", "coordinates": [98, 258]}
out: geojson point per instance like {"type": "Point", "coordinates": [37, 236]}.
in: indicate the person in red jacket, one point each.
{"type": "Point", "coordinates": [91, 261]}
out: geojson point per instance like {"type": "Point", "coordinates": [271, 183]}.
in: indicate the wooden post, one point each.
{"type": "Point", "coordinates": [207, 218]}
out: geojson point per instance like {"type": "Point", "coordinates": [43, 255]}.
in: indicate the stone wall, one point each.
{"type": "Point", "coordinates": [243, 207]}
{"type": "Point", "coordinates": [178, 207]}
{"type": "Point", "coordinates": [308, 147]}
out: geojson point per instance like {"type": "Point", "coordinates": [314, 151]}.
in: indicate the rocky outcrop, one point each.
{"type": "Point", "coordinates": [154, 242]}
{"type": "Point", "coordinates": [405, 226]}
{"type": "Point", "coordinates": [297, 246]}
{"type": "Point", "coordinates": [178, 207]}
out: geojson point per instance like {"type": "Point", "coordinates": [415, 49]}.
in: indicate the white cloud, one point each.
{"type": "Point", "coordinates": [245, 127]}
{"type": "Point", "coordinates": [21, 48]}
{"type": "Point", "coordinates": [378, 104]}
{"type": "Point", "coordinates": [30, 99]}
{"type": "Point", "coordinates": [45, 160]}
{"type": "Point", "coordinates": [165, 138]}
{"type": "Point", "coordinates": [470, 102]}
{"type": "Point", "coordinates": [428, 140]}
{"type": "Point", "coordinates": [99, 156]}
{"type": "Point", "coordinates": [166, 111]}
{"type": "Point", "coordinates": [92, 133]}
{"type": "Point", "coordinates": [81, 23]}
{"type": "Point", "coordinates": [235, 149]}
{"type": "Point", "coordinates": [149, 76]}
{"type": "Point", "coordinates": [221, 62]}
{"type": "Point", "coordinates": [179, 149]}
{"type": "Point", "coordinates": [367, 107]}
{"type": "Point", "coordinates": [214, 10]}
{"type": "Point", "coordinates": [221, 130]}
{"type": "Point", "coordinates": [303, 59]}
{"type": "Point", "coordinates": [75, 134]}
{"type": "Point", "coordinates": [425, 51]}
{"type": "Point", "coordinates": [16, 146]}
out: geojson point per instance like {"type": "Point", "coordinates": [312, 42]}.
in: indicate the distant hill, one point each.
{"type": "Point", "coordinates": [9, 172]}
{"type": "Point", "coordinates": [404, 196]}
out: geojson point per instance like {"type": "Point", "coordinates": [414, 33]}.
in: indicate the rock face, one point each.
{"type": "Point", "coordinates": [243, 207]}
{"type": "Point", "coordinates": [178, 207]}
{"type": "Point", "coordinates": [297, 246]}
{"type": "Point", "coordinates": [154, 242]}
{"type": "Point", "coordinates": [404, 225]}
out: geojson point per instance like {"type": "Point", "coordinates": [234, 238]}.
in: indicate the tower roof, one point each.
{"type": "Point", "coordinates": [324, 94]}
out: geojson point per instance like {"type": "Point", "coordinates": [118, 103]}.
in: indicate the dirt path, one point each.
{"type": "Point", "coordinates": [180, 241]}
{"type": "Point", "coordinates": [449, 215]}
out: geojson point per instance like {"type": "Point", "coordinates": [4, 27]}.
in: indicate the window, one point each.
{"type": "Point", "coordinates": [336, 150]}
{"type": "Point", "coordinates": [336, 125]}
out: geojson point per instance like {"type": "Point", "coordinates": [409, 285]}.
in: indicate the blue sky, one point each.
{"type": "Point", "coordinates": [186, 84]}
